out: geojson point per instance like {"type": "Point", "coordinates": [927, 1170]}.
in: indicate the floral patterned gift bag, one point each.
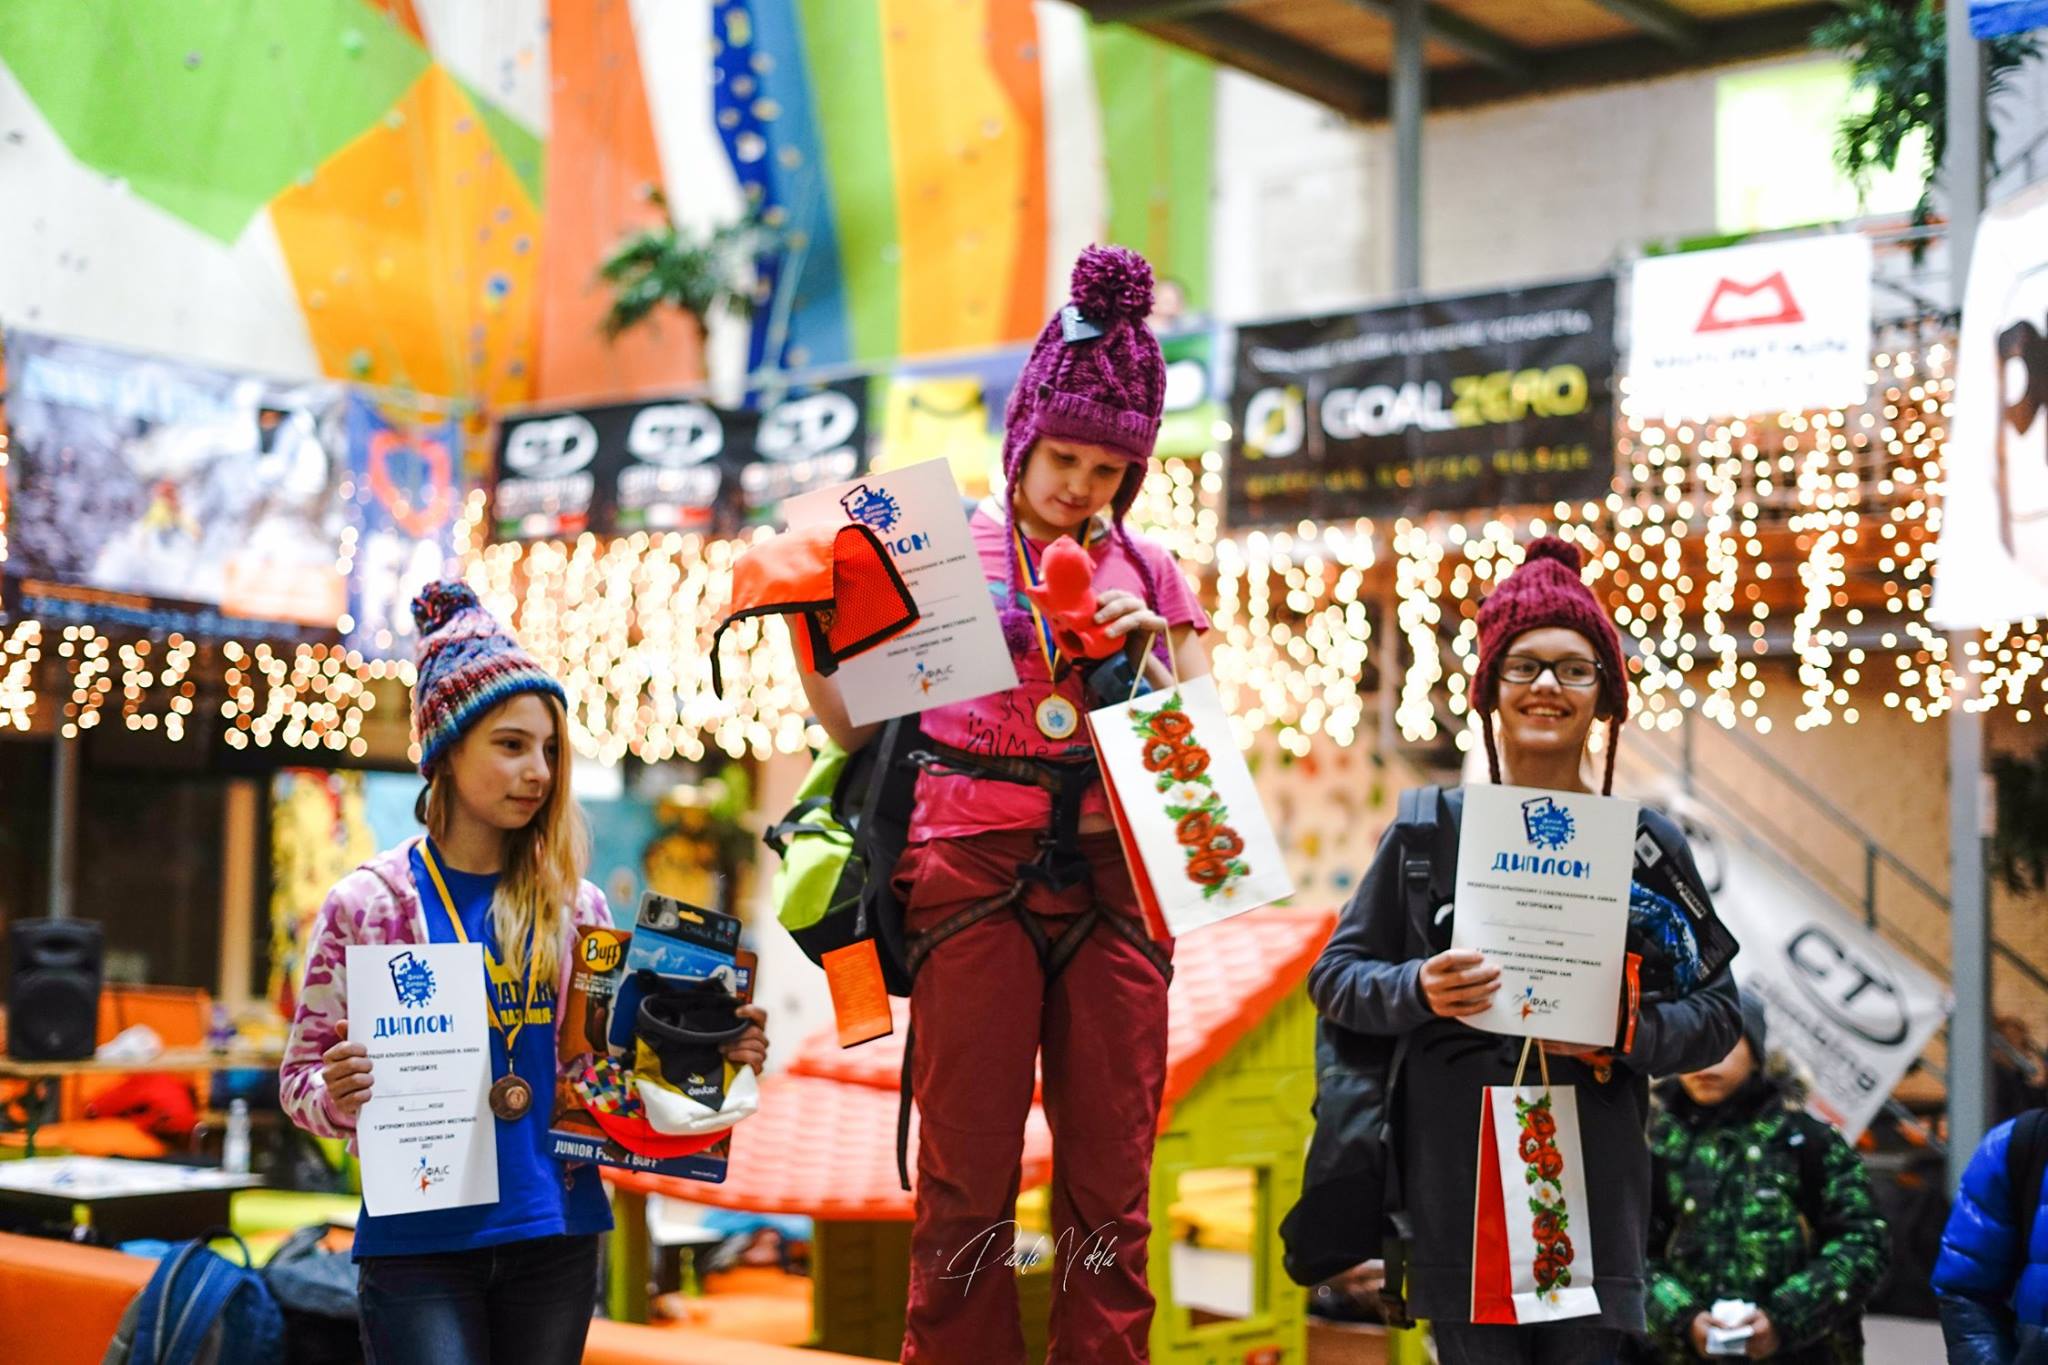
{"type": "Point", "coordinates": [1193, 830]}
{"type": "Point", "coordinates": [1532, 1252]}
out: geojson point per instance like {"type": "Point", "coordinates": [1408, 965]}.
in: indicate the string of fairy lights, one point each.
{"type": "Point", "coordinates": [1727, 549]}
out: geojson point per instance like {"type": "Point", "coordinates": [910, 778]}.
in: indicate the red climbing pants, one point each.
{"type": "Point", "coordinates": [981, 1013]}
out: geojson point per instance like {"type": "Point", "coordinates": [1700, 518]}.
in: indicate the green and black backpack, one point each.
{"type": "Point", "coordinates": [839, 844]}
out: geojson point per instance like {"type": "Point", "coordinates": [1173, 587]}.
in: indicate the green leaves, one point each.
{"type": "Point", "coordinates": [662, 267]}
{"type": "Point", "coordinates": [1898, 50]}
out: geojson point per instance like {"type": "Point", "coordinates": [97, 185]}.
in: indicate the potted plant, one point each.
{"type": "Point", "coordinates": [693, 273]}
{"type": "Point", "coordinates": [1898, 50]}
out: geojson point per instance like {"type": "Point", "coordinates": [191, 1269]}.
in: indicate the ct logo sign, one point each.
{"type": "Point", "coordinates": [676, 435]}
{"type": "Point", "coordinates": [549, 448]}
{"type": "Point", "coordinates": [805, 428]}
{"type": "Point", "coordinates": [1850, 989]}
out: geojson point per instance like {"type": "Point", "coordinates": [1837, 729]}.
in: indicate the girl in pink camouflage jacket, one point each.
{"type": "Point", "coordinates": [502, 865]}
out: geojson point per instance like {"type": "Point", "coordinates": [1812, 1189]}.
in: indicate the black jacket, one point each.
{"type": "Point", "coordinates": [1368, 980]}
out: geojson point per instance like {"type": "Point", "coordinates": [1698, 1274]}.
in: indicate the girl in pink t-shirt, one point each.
{"type": "Point", "coordinates": [1024, 930]}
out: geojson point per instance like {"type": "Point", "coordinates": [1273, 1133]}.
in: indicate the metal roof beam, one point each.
{"type": "Point", "coordinates": [1660, 20]}
{"type": "Point", "coordinates": [1349, 89]}
{"type": "Point", "coordinates": [1463, 36]}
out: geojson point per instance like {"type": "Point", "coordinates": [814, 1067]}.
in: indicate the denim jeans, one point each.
{"type": "Point", "coordinates": [1548, 1343]}
{"type": "Point", "coordinates": [525, 1301]}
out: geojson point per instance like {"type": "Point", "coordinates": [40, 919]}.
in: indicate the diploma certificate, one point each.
{"type": "Point", "coordinates": [1543, 884]}
{"type": "Point", "coordinates": [955, 651]}
{"type": "Point", "coordinates": [426, 1136]}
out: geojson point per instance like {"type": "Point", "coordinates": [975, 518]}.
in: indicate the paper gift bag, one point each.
{"type": "Point", "coordinates": [1532, 1238]}
{"type": "Point", "coordinates": [1193, 830]}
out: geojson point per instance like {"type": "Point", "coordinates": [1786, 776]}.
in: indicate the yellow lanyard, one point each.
{"type": "Point", "coordinates": [491, 996]}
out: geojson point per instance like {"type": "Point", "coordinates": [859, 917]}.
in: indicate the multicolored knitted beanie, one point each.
{"type": "Point", "coordinates": [1095, 374]}
{"type": "Point", "coordinates": [467, 664]}
{"type": "Point", "coordinates": [1546, 590]}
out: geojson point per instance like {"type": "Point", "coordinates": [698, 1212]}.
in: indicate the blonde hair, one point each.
{"type": "Point", "coordinates": [544, 862]}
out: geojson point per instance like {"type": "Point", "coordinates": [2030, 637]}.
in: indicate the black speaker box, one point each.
{"type": "Point", "coordinates": [53, 1000]}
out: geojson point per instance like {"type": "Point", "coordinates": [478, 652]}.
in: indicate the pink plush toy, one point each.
{"type": "Point", "coordinates": [1065, 597]}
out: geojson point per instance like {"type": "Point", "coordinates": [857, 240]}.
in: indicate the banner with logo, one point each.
{"type": "Point", "coordinates": [157, 495]}
{"type": "Point", "coordinates": [1194, 406]}
{"type": "Point", "coordinates": [669, 465]}
{"type": "Point", "coordinates": [408, 484]}
{"type": "Point", "coordinates": [1993, 567]}
{"type": "Point", "coordinates": [810, 436]}
{"type": "Point", "coordinates": [1488, 400]}
{"type": "Point", "coordinates": [1774, 327]}
{"type": "Point", "coordinates": [1849, 1008]}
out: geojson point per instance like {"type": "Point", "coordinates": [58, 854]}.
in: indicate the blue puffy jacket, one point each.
{"type": "Point", "coordinates": [1992, 1278]}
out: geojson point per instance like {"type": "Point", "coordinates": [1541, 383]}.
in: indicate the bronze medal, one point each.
{"type": "Point", "coordinates": [511, 1097]}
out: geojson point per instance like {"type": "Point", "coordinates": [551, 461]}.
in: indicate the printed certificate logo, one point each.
{"type": "Point", "coordinates": [1548, 825]}
{"type": "Point", "coordinates": [413, 980]}
{"type": "Point", "coordinates": [426, 1176]}
{"type": "Point", "coordinates": [873, 508]}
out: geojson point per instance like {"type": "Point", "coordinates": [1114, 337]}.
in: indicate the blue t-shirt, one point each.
{"type": "Point", "coordinates": [537, 1195]}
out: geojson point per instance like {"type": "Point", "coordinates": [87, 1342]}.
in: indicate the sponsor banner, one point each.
{"type": "Point", "coordinates": [1483, 401]}
{"type": "Point", "coordinates": [1774, 327]}
{"type": "Point", "coordinates": [675, 464]}
{"type": "Point", "coordinates": [1850, 1009]}
{"type": "Point", "coordinates": [162, 496]}
{"type": "Point", "coordinates": [950, 410]}
{"type": "Point", "coordinates": [408, 491]}
{"type": "Point", "coordinates": [624, 467]}
{"type": "Point", "coordinates": [810, 436]}
{"type": "Point", "coordinates": [1993, 567]}
{"type": "Point", "coordinates": [1194, 397]}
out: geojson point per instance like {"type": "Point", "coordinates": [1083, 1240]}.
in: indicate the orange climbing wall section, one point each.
{"type": "Point", "coordinates": [413, 250]}
{"type": "Point", "coordinates": [967, 138]}
{"type": "Point", "coordinates": [601, 161]}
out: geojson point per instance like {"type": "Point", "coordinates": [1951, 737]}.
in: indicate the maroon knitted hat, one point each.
{"type": "Point", "coordinates": [1095, 374]}
{"type": "Point", "coordinates": [1546, 590]}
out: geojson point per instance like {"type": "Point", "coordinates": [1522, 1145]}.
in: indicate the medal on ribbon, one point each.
{"type": "Point", "coordinates": [511, 1096]}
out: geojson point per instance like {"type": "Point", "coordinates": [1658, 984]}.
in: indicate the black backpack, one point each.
{"type": "Point", "coordinates": [1351, 1208]}
{"type": "Point", "coordinates": [315, 1289]}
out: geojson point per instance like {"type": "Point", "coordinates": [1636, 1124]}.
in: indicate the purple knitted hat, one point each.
{"type": "Point", "coordinates": [1095, 374]}
{"type": "Point", "coordinates": [467, 663]}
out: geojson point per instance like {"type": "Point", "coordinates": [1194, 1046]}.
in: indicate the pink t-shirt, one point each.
{"type": "Point", "coordinates": [1003, 723]}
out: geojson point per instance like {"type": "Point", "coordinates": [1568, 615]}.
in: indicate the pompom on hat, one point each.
{"type": "Point", "coordinates": [1095, 374]}
{"type": "Point", "coordinates": [467, 663]}
{"type": "Point", "coordinates": [1546, 590]}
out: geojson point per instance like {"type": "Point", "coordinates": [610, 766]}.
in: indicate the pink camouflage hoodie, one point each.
{"type": "Point", "coordinates": [377, 903]}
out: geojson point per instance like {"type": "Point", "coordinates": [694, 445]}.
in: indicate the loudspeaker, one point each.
{"type": "Point", "coordinates": [53, 1001]}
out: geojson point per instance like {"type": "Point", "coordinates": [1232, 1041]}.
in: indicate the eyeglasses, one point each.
{"type": "Point", "coordinates": [1526, 668]}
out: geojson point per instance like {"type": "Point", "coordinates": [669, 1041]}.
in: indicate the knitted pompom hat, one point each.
{"type": "Point", "coordinates": [1546, 590]}
{"type": "Point", "coordinates": [1095, 374]}
{"type": "Point", "coordinates": [467, 663]}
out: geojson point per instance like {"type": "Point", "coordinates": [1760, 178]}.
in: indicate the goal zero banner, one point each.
{"type": "Point", "coordinates": [1483, 401]}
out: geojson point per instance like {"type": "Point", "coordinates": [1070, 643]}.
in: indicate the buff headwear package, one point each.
{"type": "Point", "coordinates": [644, 1084]}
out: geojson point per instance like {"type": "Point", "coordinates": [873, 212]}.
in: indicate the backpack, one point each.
{"type": "Point", "coordinates": [316, 1291]}
{"type": "Point", "coordinates": [1351, 1196]}
{"type": "Point", "coordinates": [839, 844]}
{"type": "Point", "coordinates": [200, 1308]}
